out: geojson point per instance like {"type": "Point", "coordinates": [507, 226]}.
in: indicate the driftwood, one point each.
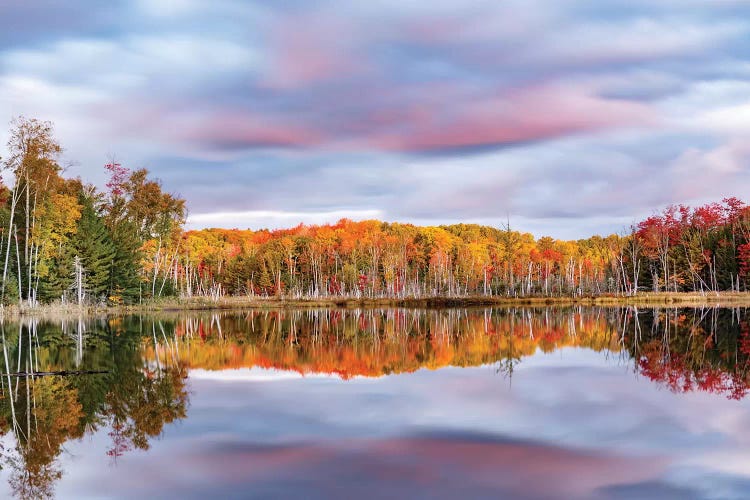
{"type": "Point", "coordinates": [62, 373]}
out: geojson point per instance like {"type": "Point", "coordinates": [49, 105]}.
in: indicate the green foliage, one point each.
{"type": "Point", "coordinates": [94, 246]}
{"type": "Point", "coordinates": [129, 398]}
{"type": "Point", "coordinates": [60, 277]}
{"type": "Point", "coordinates": [11, 290]}
{"type": "Point", "coordinates": [124, 281]}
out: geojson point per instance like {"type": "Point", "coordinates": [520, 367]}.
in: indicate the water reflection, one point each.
{"type": "Point", "coordinates": [691, 349]}
{"type": "Point", "coordinates": [374, 343]}
{"type": "Point", "coordinates": [684, 349]}
{"type": "Point", "coordinates": [127, 376]}
{"type": "Point", "coordinates": [42, 410]}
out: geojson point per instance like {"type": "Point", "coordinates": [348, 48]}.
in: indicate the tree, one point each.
{"type": "Point", "coordinates": [124, 282]}
{"type": "Point", "coordinates": [136, 210]}
{"type": "Point", "coordinates": [32, 161]}
{"type": "Point", "coordinates": [94, 247]}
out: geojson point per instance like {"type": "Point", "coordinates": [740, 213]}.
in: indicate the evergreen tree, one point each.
{"type": "Point", "coordinates": [60, 277]}
{"type": "Point", "coordinates": [124, 280]}
{"type": "Point", "coordinates": [94, 246]}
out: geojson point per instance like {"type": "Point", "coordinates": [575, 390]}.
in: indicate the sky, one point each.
{"type": "Point", "coordinates": [566, 117]}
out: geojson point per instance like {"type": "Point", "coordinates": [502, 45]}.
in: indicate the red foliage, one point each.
{"type": "Point", "coordinates": [744, 340]}
{"type": "Point", "coordinates": [743, 257]}
{"type": "Point", "coordinates": [334, 286]}
{"type": "Point", "coordinates": [709, 216]}
{"type": "Point", "coordinates": [362, 282]}
{"type": "Point", "coordinates": [118, 175]}
{"type": "Point", "coordinates": [120, 442]}
{"type": "Point", "coordinates": [675, 371]}
{"type": "Point", "coordinates": [734, 209]}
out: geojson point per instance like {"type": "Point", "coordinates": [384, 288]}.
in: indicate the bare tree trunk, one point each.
{"type": "Point", "coordinates": [156, 269]}
{"type": "Point", "coordinates": [7, 371]}
{"type": "Point", "coordinates": [14, 202]}
{"type": "Point", "coordinates": [18, 261]}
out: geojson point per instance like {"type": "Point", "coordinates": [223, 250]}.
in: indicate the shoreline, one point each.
{"type": "Point", "coordinates": [650, 299]}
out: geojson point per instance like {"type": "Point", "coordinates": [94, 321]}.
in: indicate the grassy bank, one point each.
{"type": "Point", "coordinates": [645, 299]}
{"type": "Point", "coordinates": [733, 299]}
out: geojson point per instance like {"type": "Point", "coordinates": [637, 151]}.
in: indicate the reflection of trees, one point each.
{"type": "Point", "coordinates": [705, 349]}
{"type": "Point", "coordinates": [139, 409]}
{"type": "Point", "coordinates": [685, 349]}
{"type": "Point", "coordinates": [145, 398]}
{"type": "Point", "coordinates": [45, 412]}
{"type": "Point", "coordinates": [146, 361]}
{"type": "Point", "coordinates": [352, 343]}
{"type": "Point", "coordinates": [51, 416]}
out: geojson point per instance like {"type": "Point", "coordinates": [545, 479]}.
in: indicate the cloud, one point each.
{"type": "Point", "coordinates": [259, 219]}
{"type": "Point", "coordinates": [544, 111]}
{"type": "Point", "coordinates": [39, 22]}
{"type": "Point", "coordinates": [413, 466]}
{"type": "Point", "coordinates": [526, 115]}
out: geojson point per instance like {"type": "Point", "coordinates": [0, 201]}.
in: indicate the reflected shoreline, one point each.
{"type": "Point", "coordinates": [240, 304]}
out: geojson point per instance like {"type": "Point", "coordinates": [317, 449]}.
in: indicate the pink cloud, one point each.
{"type": "Point", "coordinates": [528, 114]}
{"type": "Point", "coordinates": [411, 118]}
{"type": "Point", "coordinates": [236, 130]}
{"type": "Point", "coordinates": [310, 49]}
{"type": "Point", "coordinates": [375, 467]}
{"type": "Point", "coordinates": [214, 129]}
{"type": "Point", "coordinates": [434, 117]}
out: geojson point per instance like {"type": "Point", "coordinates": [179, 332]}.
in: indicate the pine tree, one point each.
{"type": "Point", "coordinates": [124, 281]}
{"type": "Point", "coordinates": [95, 249]}
{"type": "Point", "coordinates": [60, 277]}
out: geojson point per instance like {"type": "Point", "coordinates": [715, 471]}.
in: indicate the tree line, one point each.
{"type": "Point", "coordinates": [682, 249]}
{"type": "Point", "coordinates": [65, 240]}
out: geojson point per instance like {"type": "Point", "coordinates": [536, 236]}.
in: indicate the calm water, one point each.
{"type": "Point", "coordinates": [394, 403]}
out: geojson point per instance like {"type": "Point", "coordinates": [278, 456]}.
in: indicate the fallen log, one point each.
{"type": "Point", "coordinates": [62, 373]}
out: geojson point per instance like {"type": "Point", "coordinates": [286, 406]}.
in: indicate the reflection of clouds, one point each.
{"type": "Point", "coordinates": [570, 423]}
{"type": "Point", "coordinates": [252, 375]}
{"type": "Point", "coordinates": [437, 466]}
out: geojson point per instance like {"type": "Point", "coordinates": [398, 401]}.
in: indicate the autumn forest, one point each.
{"type": "Point", "coordinates": [64, 240]}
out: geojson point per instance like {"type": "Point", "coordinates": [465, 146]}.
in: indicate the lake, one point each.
{"type": "Point", "coordinates": [526, 403]}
